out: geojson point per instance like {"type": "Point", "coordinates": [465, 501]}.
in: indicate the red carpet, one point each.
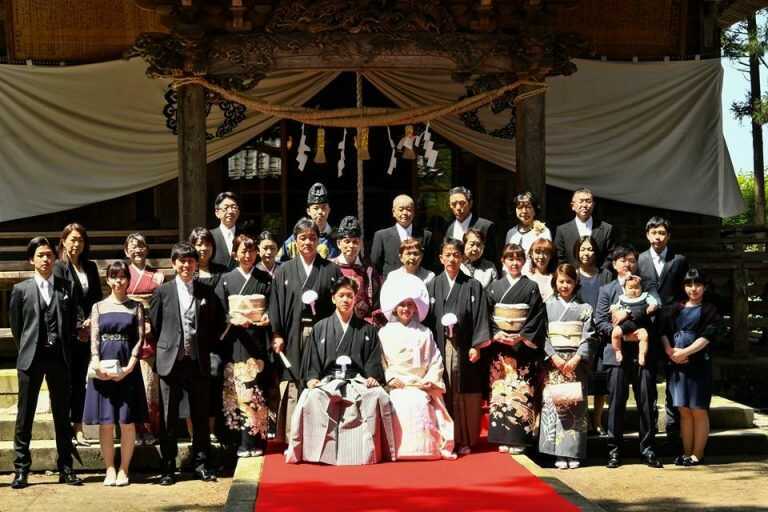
{"type": "Point", "coordinates": [482, 482]}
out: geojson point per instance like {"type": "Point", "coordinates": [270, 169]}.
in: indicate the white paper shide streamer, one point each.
{"type": "Point", "coordinates": [430, 153]}
{"type": "Point", "coordinates": [301, 156]}
{"type": "Point", "coordinates": [393, 155]}
{"type": "Point", "coordinates": [342, 157]}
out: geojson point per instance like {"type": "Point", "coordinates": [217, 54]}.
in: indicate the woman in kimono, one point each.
{"type": "Point", "coordinates": [268, 247]}
{"type": "Point", "coordinates": [515, 357]}
{"type": "Point", "coordinates": [144, 281]}
{"type": "Point", "coordinates": [459, 319]}
{"type": "Point", "coordinates": [208, 273]}
{"type": "Point", "coordinates": [246, 339]}
{"type": "Point", "coordinates": [413, 370]}
{"type": "Point", "coordinates": [563, 428]}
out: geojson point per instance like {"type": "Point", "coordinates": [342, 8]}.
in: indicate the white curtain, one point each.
{"type": "Point", "coordinates": [648, 134]}
{"type": "Point", "coordinates": [71, 136]}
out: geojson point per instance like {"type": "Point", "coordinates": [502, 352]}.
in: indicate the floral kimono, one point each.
{"type": "Point", "coordinates": [563, 428]}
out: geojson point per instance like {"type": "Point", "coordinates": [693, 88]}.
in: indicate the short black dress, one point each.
{"type": "Point", "coordinates": [115, 334]}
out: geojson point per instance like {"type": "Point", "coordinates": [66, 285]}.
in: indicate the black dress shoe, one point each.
{"type": "Point", "coordinates": [681, 460]}
{"type": "Point", "coordinates": [167, 479]}
{"type": "Point", "coordinates": [652, 462]}
{"type": "Point", "coordinates": [19, 481]}
{"type": "Point", "coordinates": [69, 478]}
{"type": "Point", "coordinates": [205, 474]}
{"type": "Point", "coordinates": [613, 462]}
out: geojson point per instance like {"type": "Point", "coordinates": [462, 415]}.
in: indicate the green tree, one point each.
{"type": "Point", "coordinates": [746, 43]}
{"type": "Point", "coordinates": [747, 186]}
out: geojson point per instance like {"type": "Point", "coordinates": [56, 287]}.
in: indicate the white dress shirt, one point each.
{"type": "Point", "coordinates": [585, 228]}
{"type": "Point", "coordinates": [404, 233]}
{"type": "Point", "coordinates": [45, 287]}
{"type": "Point", "coordinates": [229, 236]}
{"type": "Point", "coordinates": [658, 259]}
{"type": "Point", "coordinates": [185, 295]}
{"type": "Point", "coordinates": [459, 228]}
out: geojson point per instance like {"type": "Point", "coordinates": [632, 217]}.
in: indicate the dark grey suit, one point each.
{"type": "Point", "coordinates": [222, 255]}
{"type": "Point", "coordinates": [567, 235]}
{"type": "Point", "coordinates": [37, 361]}
{"type": "Point", "coordinates": [179, 374]}
{"type": "Point", "coordinates": [385, 249]}
{"type": "Point", "coordinates": [487, 228]}
{"type": "Point", "coordinates": [621, 376]}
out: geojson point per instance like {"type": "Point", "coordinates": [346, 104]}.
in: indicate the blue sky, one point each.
{"type": "Point", "coordinates": [738, 135]}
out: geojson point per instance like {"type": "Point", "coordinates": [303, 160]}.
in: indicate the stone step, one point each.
{"type": "Point", "coordinates": [43, 427]}
{"type": "Point", "coordinates": [752, 441]}
{"type": "Point", "coordinates": [145, 458]}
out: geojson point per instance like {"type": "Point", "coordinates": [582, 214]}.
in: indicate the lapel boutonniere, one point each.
{"type": "Point", "coordinates": [203, 302]}
{"type": "Point", "coordinates": [538, 227]}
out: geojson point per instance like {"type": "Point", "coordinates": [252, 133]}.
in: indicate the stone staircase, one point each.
{"type": "Point", "coordinates": [146, 458]}
{"type": "Point", "coordinates": [734, 432]}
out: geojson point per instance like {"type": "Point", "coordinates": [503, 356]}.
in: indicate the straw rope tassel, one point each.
{"type": "Point", "coordinates": [360, 178]}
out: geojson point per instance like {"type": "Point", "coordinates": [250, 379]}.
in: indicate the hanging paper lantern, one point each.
{"type": "Point", "coordinates": [320, 154]}
{"type": "Point", "coordinates": [361, 143]}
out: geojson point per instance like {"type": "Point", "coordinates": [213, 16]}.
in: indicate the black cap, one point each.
{"type": "Point", "coordinates": [349, 227]}
{"type": "Point", "coordinates": [317, 194]}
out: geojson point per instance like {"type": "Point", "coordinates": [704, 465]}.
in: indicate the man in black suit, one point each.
{"type": "Point", "coordinates": [185, 317]}
{"type": "Point", "coordinates": [227, 210]}
{"type": "Point", "coordinates": [583, 224]}
{"type": "Point", "coordinates": [460, 202]}
{"type": "Point", "coordinates": [41, 320]}
{"type": "Point", "coordinates": [385, 250]}
{"type": "Point", "coordinates": [667, 269]}
{"type": "Point", "coordinates": [628, 372]}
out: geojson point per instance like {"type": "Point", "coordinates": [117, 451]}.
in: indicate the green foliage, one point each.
{"type": "Point", "coordinates": [747, 186]}
{"type": "Point", "coordinates": [739, 44]}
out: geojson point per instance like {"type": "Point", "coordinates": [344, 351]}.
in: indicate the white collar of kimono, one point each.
{"type": "Point", "coordinates": [451, 282]}
{"type": "Point", "coordinates": [513, 280]}
{"type": "Point", "coordinates": [307, 266]}
{"type": "Point", "coordinates": [242, 273]}
{"type": "Point", "coordinates": [563, 301]}
{"type": "Point", "coordinates": [343, 259]}
{"type": "Point", "coordinates": [403, 286]}
{"type": "Point", "coordinates": [343, 325]}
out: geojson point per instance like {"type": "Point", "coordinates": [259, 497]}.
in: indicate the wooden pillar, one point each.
{"type": "Point", "coordinates": [192, 158]}
{"type": "Point", "coordinates": [530, 146]}
{"type": "Point", "coordinates": [284, 176]}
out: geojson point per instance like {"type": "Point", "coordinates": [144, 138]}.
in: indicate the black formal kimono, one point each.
{"type": "Point", "coordinates": [342, 421]}
{"type": "Point", "coordinates": [293, 320]}
{"type": "Point", "coordinates": [82, 302]}
{"type": "Point", "coordinates": [328, 341]}
{"type": "Point", "coordinates": [514, 374]}
{"type": "Point", "coordinates": [246, 363]}
{"type": "Point", "coordinates": [464, 380]}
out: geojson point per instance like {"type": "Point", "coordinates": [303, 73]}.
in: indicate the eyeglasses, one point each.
{"type": "Point", "coordinates": [229, 208]}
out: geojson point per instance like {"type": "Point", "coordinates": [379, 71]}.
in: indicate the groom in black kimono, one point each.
{"type": "Point", "coordinates": [292, 313]}
{"type": "Point", "coordinates": [344, 414]}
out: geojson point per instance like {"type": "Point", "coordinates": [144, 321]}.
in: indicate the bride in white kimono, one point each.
{"type": "Point", "coordinates": [414, 373]}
